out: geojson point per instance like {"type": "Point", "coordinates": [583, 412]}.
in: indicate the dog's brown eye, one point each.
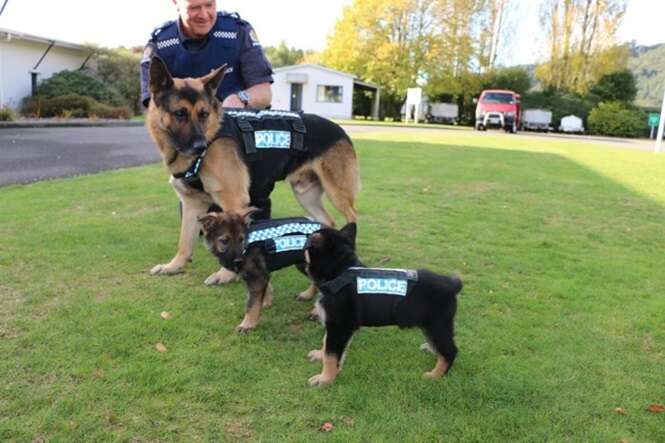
{"type": "Point", "coordinates": [181, 114]}
{"type": "Point", "coordinates": [241, 239]}
{"type": "Point", "coordinates": [204, 114]}
{"type": "Point", "coordinates": [224, 240]}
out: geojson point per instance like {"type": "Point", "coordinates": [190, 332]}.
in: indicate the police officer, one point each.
{"type": "Point", "coordinates": [203, 39]}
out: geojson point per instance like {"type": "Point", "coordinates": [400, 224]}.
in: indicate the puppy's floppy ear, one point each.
{"type": "Point", "coordinates": [316, 240]}
{"type": "Point", "coordinates": [208, 221]}
{"type": "Point", "coordinates": [350, 231]}
{"type": "Point", "coordinates": [247, 213]}
{"type": "Point", "coordinates": [212, 80]}
{"type": "Point", "coordinates": [160, 78]}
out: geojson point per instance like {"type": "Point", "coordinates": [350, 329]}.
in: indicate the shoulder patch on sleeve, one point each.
{"type": "Point", "coordinates": [148, 52]}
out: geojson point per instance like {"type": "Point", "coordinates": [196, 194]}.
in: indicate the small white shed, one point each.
{"type": "Point", "coordinates": [318, 90]}
{"type": "Point", "coordinates": [27, 59]}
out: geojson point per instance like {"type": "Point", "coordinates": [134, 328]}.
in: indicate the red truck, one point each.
{"type": "Point", "coordinates": [498, 108]}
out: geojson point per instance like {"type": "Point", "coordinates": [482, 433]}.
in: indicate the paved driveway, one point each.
{"type": "Point", "coordinates": [31, 154]}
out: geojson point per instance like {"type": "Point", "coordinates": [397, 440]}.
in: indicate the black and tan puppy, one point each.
{"type": "Point", "coordinates": [254, 250]}
{"type": "Point", "coordinates": [216, 156]}
{"type": "Point", "coordinates": [355, 296]}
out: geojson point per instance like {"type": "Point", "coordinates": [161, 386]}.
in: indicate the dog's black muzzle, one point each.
{"type": "Point", "coordinates": [198, 147]}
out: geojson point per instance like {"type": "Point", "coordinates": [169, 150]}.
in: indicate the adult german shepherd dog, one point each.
{"type": "Point", "coordinates": [184, 119]}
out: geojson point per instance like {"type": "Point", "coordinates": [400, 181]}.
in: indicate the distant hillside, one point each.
{"type": "Point", "coordinates": [648, 66]}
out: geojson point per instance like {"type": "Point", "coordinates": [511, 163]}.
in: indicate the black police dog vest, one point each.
{"type": "Point", "coordinates": [375, 293]}
{"type": "Point", "coordinates": [281, 240]}
{"type": "Point", "coordinates": [273, 144]}
{"type": "Point", "coordinates": [223, 46]}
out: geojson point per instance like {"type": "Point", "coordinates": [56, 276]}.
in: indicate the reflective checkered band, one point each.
{"type": "Point", "coordinates": [278, 231]}
{"type": "Point", "coordinates": [225, 34]}
{"type": "Point", "coordinates": [262, 114]}
{"type": "Point", "coordinates": [168, 43]}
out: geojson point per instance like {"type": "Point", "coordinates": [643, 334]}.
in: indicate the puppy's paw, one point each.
{"type": "Point", "coordinates": [165, 269]}
{"type": "Point", "coordinates": [244, 328]}
{"type": "Point", "coordinates": [432, 375]}
{"type": "Point", "coordinates": [267, 303]}
{"type": "Point", "coordinates": [304, 296]}
{"type": "Point", "coordinates": [221, 277]}
{"type": "Point", "coordinates": [426, 347]}
{"type": "Point", "coordinates": [315, 355]}
{"type": "Point", "coordinates": [320, 380]}
{"type": "Point", "coordinates": [314, 314]}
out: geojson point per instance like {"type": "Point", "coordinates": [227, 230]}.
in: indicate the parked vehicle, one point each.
{"type": "Point", "coordinates": [498, 108]}
{"type": "Point", "coordinates": [537, 120]}
{"type": "Point", "coordinates": [443, 113]}
{"type": "Point", "coordinates": [571, 124]}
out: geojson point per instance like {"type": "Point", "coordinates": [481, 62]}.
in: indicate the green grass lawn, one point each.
{"type": "Point", "coordinates": [562, 319]}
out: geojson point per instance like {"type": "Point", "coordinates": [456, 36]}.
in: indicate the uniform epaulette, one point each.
{"type": "Point", "coordinates": [159, 28]}
{"type": "Point", "coordinates": [235, 15]}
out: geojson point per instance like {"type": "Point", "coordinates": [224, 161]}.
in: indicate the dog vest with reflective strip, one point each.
{"type": "Point", "coordinates": [282, 240]}
{"type": "Point", "coordinates": [270, 141]}
{"type": "Point", "coordinates": [377, 292]}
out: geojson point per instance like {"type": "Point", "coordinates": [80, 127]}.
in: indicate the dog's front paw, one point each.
{"type": "Point", "coordinates": [320, 380]}
{"type": "Point", "coordinates": [244, 328]}
{"type": "Point", "coordinates": [426, 347]}
{"type": "Point", "coordinates": [165, 269]}
{"type": "Point", "coordinates": [315, 355]}
{"type": "Point", "coordinates": [221, 277]}
{"type": "Point", "coordinates": [433, 374]}
{"type": "Point", "coordinates": [314, 314]}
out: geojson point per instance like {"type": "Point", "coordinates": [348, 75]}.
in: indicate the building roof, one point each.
{"type": "Point", "coordinates": [8, 34]}
{"type": "Point", "coordinates": [355, 78]}
{"type": "Point", "coordinates": [309, 65]}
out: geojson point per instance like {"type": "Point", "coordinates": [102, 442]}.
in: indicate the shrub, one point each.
{"type": "Point", "coordinates": [71, 106]}
{"type": "Point", "coordinates": [66, 83]}
{"type": "Point", "coordinates": [618, 120]}
{"type": "Point", "coordinates": [75, 105]}
{"type": "Point", "coordinates": [101, 110]}
{"type": "Point", "coordinates": [7, 114]}
{"type": "Point", "coordinates": [560, 103]}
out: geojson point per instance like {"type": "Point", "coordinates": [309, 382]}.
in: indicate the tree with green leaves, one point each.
{"type": "Point", "coordinates": [582, 42]}
{"type": "Point", "coordinates": [282, 55]}
{"type": "Point", "coordinates": [399, 44]}
{"type": "Point", "coordinates": [619, 86]}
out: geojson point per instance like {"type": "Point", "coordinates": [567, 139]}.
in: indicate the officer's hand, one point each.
{"type": "Point", "coordinates": [232, 101]}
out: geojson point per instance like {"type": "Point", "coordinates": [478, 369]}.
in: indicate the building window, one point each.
{"type": "Point", "coordinates": [329, 94]}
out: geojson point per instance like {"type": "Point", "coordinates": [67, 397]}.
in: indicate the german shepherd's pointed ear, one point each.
{"type": "Point", "coordinates": [160, 78]}
{"type": "Point", "coordinates": [208, 221]}
{"type": "Point", "coordinates": [212, 80]}
{"type": "Point", "coordinates": [247, 213]}
{"type": "Point", "coordinates": [350, 231]}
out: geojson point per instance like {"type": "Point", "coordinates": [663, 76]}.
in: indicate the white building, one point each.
{"type": "Point", "coordinates": [27, 59]}
{"type": "Point", "coordinates": [318, 90]}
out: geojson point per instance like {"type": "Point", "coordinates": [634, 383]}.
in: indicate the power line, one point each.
{"type": "Point", "coordinates": [3, 6]}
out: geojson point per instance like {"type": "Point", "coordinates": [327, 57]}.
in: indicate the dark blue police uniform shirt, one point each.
{"type": "Point", "coordinates": [251, 66]}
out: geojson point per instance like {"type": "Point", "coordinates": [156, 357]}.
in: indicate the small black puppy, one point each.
{"type": "Point", "coordinates": [254, 250]}
{"type": "Point", "coordinates": [354, 296]}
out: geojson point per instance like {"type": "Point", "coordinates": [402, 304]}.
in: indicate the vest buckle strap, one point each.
{"type": "Point", "coordinates": [298, 137]}
{"type": "Point", "coordinates": [247, 131]}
